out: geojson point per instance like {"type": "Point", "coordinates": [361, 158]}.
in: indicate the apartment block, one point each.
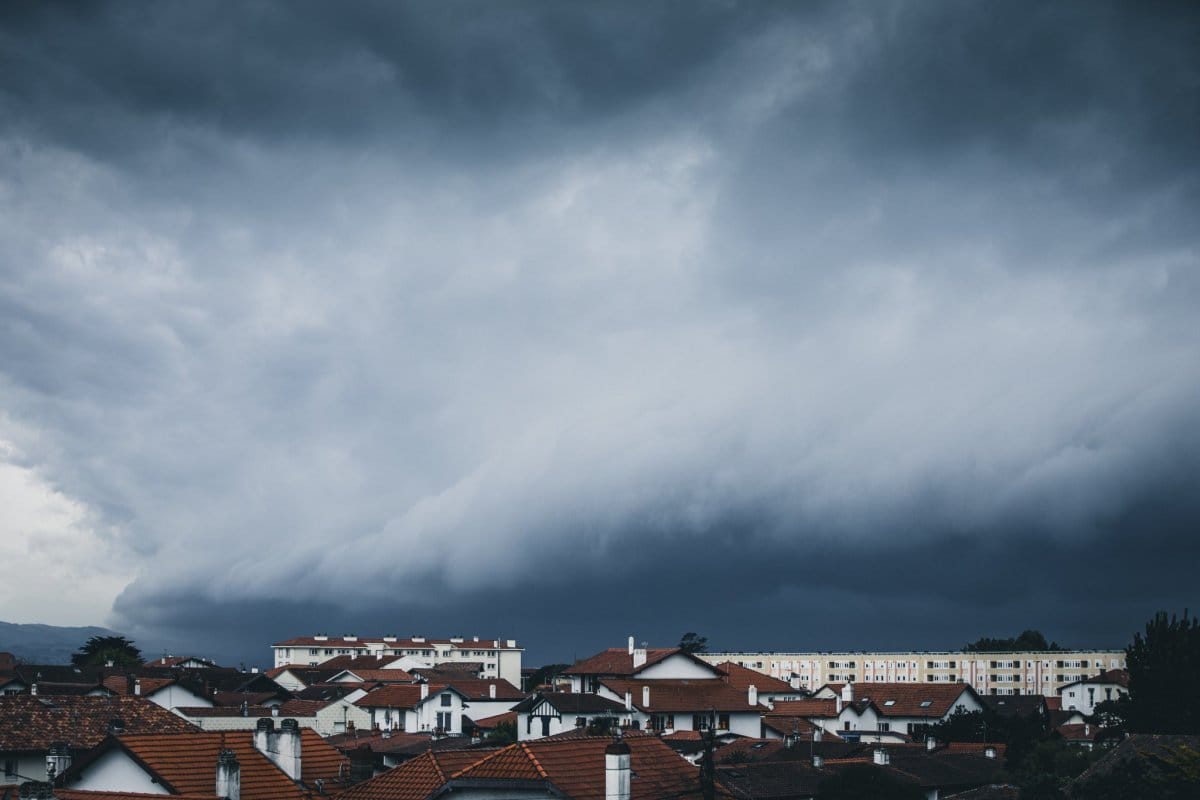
{"type": "Point", "coordinates": [1025, 672]}
{"type": "Point", "coordinates": [498, 658]}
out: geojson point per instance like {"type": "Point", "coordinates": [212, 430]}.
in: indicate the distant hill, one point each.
{"type": "Point", "coordinates": [46, 644]}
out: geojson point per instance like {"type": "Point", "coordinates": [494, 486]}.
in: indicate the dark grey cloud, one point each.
{"type": "Point", "coordinates": [561, 321]}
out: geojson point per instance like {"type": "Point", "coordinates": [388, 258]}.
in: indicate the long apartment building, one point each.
{"type": "Point", "coordinates": [1017, 672]}
{"type": "Point", "coordinates": [499, 658]}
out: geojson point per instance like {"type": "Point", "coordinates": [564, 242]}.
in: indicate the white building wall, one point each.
{"type": "Point", "coordinates": [115, 771]}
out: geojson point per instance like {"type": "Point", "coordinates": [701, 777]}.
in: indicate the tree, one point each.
{"type": "Point", "coordinates": [1172, 773]}
{"type": "Point", "coordinates": [503, 734]}
{"type": "Point", "coordinates": [1164, 696]}
{"type": "Point", "coordinates": [865, 782]}
{"type": "Point", "coordinates": [692, 642]}
{"type": "Point", "coordinates": [99, 650]}
{"type": "Point", "coordinates": [1027, 640]}
{"type": "Point", "coordinates": [1049, 768]}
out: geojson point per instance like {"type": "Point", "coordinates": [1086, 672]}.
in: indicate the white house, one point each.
{"type": "Point", "coordinates": [415, 708]}
{"type": "Point", "coordinates": [1085, 695]}
{"type": "Point", "coordinates": [890, 711]}
{"type": "Point", "coordinates": [669, 663]}
{"type": "Point", "coordinates": [501, 658]}
{"type": "Point", "coordinates": [553, 713]}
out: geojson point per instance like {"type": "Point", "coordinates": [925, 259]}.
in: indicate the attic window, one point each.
{"type": "Point", "coordinates": [926, 703]}
{"type": "Point", "coordinates": [889, 702]}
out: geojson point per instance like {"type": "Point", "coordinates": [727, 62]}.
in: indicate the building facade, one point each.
{"type": "Point", "coordinates": [1008, 673]}
{"type": "Point", "coordinates": [501, 658]}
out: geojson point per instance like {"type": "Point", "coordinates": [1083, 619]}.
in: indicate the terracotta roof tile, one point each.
{"type": "Point", "coordinates": [909, 699]}
{"type": "Point", "coordinates": [32, 722]}
{"type": "Point", "coordinates": [740, 677]}
{"type": "Point", "coordinates": [618, 661]}
{"type": "Point", "coordinates": [80, 794]}
{"type": "Point", "coordinates": [812, 708]}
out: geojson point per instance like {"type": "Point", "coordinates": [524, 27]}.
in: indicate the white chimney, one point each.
{"type": "Point", "coordinates": [229, 776]}
{"type": "Point", "coordinates": [818, 761]}
{"type": "Point", "coordinates": [817, 734]}
{"type": "Point", "coordinates": [629, 701]}
{"type": "Point", "coordinates": [752, 695]}
{"type": "Point", "coordinates": [264, 733]}
{"type": "Point", "coordinates": [645, 697]}
{"type": "Point", "coordinates": [630, 645]}
{"type": "Point", "coordinates": [137, 686]}
{"type": "Point", "coordinates": [848, 693]}
{"type": "Point", "coordinates": [289, 748]}
{"type": "Point", "coordinates": [424, 691]}
{"type": "Point", "coordinates": [617, 771]}
{"type": "Point", "coordinates": [989, 752]}
{"type": "Point", "coordinates": [492, 691]}
{"type": "Point", "coordinates": [882, 757]}
{"type": "Point", "coordinates": [930, 743]}
{"type": "Point", "coordinates": [639, 657]}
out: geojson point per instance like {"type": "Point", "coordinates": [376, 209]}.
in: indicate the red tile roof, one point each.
{"type": "Point", "coordinates": [673, 696]}
{"type": "Point", "coordinates": [619, 661]}
{"type": "Point", "coordinates": [398, 695]}
{"type": "Point", "coordinates": [812, 708]}
{"type": "Point", "coordinates": [30, 722]}
{"type": "Point", "coordinates": [415, 779]}
{"type": "Point", "coordinates": [480, 688]}
{"type": "Point", "coordinates": [380, 675]}
{"type": "Point", "coordinates": [488, 723]}
{"type": "Point", "coordinates": [909, 699]}
{"type": "Point", "coordinates": [576, 767]}
{"type": "Point", "coordinates": [740, 677]}
{"type": "Point", "coordinates": [80, 794]}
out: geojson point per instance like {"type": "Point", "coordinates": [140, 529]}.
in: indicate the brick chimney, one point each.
{"type": "Point", "coordinates": [617, 771]}
{"type": "Point", "coordinates": [229, 776]}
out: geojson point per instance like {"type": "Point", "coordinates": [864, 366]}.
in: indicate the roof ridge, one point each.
{"type": "Point", "coordinates": [536, 764]}
{"type": "Point", "coordinates": [483, 759]}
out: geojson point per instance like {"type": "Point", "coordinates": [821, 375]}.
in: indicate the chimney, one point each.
{"type": "Point", "coordinates": [264, 734]}
{"type": "Point", "coordinates": [752, 695]}
{"type": "Point", "coordinates": [362, 766]}
{"type": "Point", "coordinates": [229, 775]}
{"type": "Point", "coordinates": [288, 748]}
{"type": "Point", "coordinates": [848, 693]}
{"type": "Point", "coordinates": [639, 657]}
{"type": "Point", "coordinates": [645, 697]}
{"type": "Point", "coordinates": [617, 771]}
{"type": "Point", "coordinates": [40, 790]}
{"type": "Point", "coordinates": [930, 743]}
{"type": "Point", "coordinates": [629, 701]}
{"type": "Point", "coordinates": [818, 733]}
{"type": "Point", "coordinates": [818, 761]}
{"type": "Point", "coordinates": [630, 645]}
{"type": "Point", "coordinates": [58, 760]}
{"type": "Point", "coordinates": [1087, 730]}
{"type": "Point", "coordinates": [989, 752]}
{"type": "Point", "coordinates": [33, 688]}
{"type": "Point", "coordinates": [424, 691]}
{"type": "Point", "coordinates": [882, 757]}
{"type": "Point", "coordinates": [137, 686]}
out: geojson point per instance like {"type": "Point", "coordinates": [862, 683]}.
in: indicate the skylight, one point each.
{"type": "Point", "coordinates": [889, 702]}
{"type": "Point", "coordinates": [926, 703]}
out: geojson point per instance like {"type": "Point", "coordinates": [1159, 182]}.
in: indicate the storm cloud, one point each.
{"type": "Point", "coordinates": [802, 325]}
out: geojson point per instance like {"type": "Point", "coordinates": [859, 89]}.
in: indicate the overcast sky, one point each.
{"type": "Point", "coordinates": [802, 326]}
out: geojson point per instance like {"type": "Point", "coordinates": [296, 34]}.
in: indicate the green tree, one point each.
{"type": "Point", "coordinates": [692, 642]}
{"type": "Point", "coordinates": [1164, 696]}
{"type": "Point", "coordinates": [1026, 640]}
{"type": "Point", "coordinates": [503, 734]}
{"type": "Point", "coordinates": [99, 650]}
{"type": "Point", "coordinates": [864, 782]}
{"type": "Point", "coordinates": [1046, 772]}
{"type": "Point", "coordinates": [1173, 774]}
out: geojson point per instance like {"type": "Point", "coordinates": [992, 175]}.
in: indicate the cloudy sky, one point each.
{"type": "Point", "coordinates": [803, 326]}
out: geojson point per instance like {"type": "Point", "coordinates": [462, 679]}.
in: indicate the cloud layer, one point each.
{"type": "Point", "coordinates": [559, 321]}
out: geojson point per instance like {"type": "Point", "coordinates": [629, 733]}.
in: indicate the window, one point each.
{"type": "Point", "coordinates": [723, 722]}
{"type": "Point", "coordinates": [885, 726]}
{"type": "Point", "coordinates": [10, 769]}
{"type": "Point", "coordinates": [446, 701]}
{"type": "Point", "coordinates": [443, 720]}
{"type": "Point", "coordinates": [314, 652]}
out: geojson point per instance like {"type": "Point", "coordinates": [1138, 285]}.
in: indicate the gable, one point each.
{"type": "Point", "coordinates": [679, 667]}
{"type": "Point", "coordinates": [117, 771]}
